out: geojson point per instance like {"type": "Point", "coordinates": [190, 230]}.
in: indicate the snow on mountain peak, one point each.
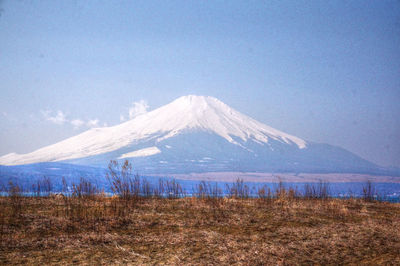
{"type": "Point", "coordinates": [187, 113]}
{"type": "Point", "coordinates": [210, 114]}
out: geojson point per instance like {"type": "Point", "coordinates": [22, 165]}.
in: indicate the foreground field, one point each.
{"type": "Point", "coordinates": [101, 230]}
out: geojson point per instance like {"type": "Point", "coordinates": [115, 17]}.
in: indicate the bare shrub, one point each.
{"type": "Point", "coordinates": [14, 192]}
{"type": "Point", "coordinates": [264, 193]}
{"type": "Point", "coordinates": [319, 191]}
{"type": "Point", "coordinates": [159, 190]}
{"type": "Point", "coordinates": [42, 187]}
{"type": "Point", "coordinates": [209, 192]}
{"type": "Point", "coordinates": [64, 185]}
{"type": "Point", "coordinates": [323, 190]}
{"type": "Point", "coordinates": [293, 193]}
{"type": "Point", "coordinates": [205, 190]}
{"type": "Point", "coordinates": [238, 189]}
{"type": "Point", "coordinates": [122, 181]}
{"type": "Point", "coordinates": [369, 191]}
{"type": "Point", "coordinates": [215, 192]}
{"type": "Point", "coordinates": [280, 191]}
{"type": "Point", "coordinates": [2, 188]}
{"type": "Point", "coordinates": [173, 189]}
{"type": "Point", "coordinates": [201, 190]}
{"type": "Point", "coordinates": [85, 189]}
{"type": "Point", "coordinates": [147, 189]}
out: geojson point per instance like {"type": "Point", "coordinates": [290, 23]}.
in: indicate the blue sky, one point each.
{"type": "Point", "coordinates": [326, 71]}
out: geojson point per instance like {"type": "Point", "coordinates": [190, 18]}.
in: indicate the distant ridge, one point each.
{"type": "Point", "coordinates": [196, 134]}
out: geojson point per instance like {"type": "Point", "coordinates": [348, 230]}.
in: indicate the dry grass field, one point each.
{"type": "Point", "coordinates": [284, 230]}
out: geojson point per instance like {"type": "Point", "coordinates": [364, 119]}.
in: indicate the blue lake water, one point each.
{"type": "Point", "coordinates": [384, 191]}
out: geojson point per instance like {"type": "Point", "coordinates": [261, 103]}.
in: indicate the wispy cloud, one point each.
{"type": "Point", "coordinates": [77, 123]}
{"type": "Point", "coordinates": [93, 123]}
{"type": "Point", "coordinates": [138, 108]}
{"type": "Point", "coordinates": [59, 118]}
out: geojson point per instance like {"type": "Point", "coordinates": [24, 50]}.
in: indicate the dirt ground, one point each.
{"type": "Point", "coordinates": [191, 231]}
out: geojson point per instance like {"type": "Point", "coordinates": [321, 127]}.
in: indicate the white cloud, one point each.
{"type": "Point", "coordinates": [93, 123]}
{"type": "Point", "coordinates": [77, 123]}
{"type": "Point", "coordinates": [59, 118]}
{"type": "Point", "coordinates": [138, 108]}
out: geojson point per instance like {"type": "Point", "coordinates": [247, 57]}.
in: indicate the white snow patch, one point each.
{"type": "Point", "coordinates": [168, 147]}
{"type": "Point", "coordinates": [141, 153]}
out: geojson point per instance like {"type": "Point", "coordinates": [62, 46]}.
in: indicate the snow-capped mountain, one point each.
{"type": "Point", "coordinates": [195, 134]}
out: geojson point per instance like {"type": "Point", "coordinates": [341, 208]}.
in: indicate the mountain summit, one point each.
{"type": "Point", "coordinates": [192, 134]}
{"type": "Point", "coordinates": [211, 115]}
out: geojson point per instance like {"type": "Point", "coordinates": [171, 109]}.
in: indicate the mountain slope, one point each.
{"type": "Point", "coordinates": [196, 134]}
{"type": "Point", "coordinates": [185, 113]}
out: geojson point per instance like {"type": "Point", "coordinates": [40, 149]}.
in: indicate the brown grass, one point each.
{"type": "Point", "coordinates": [284, 231]}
